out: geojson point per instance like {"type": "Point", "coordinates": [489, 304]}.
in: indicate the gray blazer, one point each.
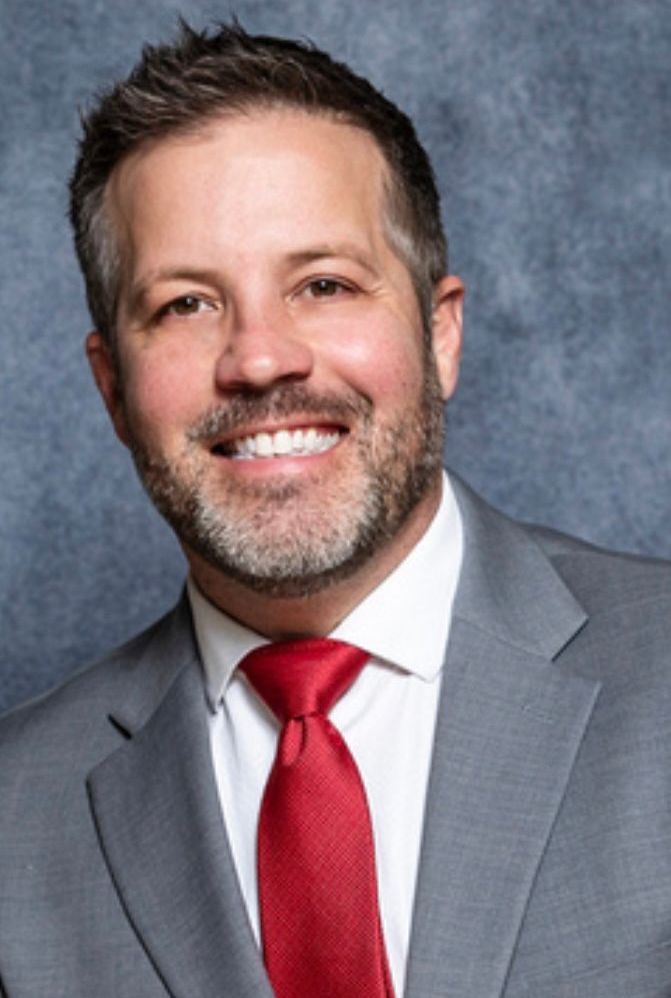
{"type": "Point", "coordinates": [546, 861]}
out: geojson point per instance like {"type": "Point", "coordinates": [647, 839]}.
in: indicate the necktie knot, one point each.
{"type": "Point", "coordinates": [302, 677]}
{"type": "Point", "coordinates": [320, 920]}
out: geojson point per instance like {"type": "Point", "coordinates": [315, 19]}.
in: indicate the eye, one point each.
{"type": "Point", "coordinates": [185, 305]}
{"type": "Point", "coordinates": [326, 287]}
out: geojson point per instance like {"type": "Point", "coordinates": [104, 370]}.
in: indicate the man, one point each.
{"type": "Point", "coordinates": [275, 335]}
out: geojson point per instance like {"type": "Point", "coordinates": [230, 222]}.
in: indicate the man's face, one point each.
{"type": "Point", "coordinates": [272, 377]}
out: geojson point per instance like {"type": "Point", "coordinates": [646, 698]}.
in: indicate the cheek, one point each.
{"type": "Point", "coordinates": [162, 393]}
{"type": "Point", "coordinates": [384, 365]}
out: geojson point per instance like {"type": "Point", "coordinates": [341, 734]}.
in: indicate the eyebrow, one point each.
{"type": "Point", "coordinates": [324, 250]}
{"type": "Point", "coordinates": [140, 289]}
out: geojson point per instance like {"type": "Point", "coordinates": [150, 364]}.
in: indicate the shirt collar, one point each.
{"type": "Point", "coordinates": [404, 621]}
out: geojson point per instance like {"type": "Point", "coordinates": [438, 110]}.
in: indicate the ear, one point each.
{"type": "Point", "coordinates": [106, 375]}
{"type": "Point", "coordinates": [446, 330]}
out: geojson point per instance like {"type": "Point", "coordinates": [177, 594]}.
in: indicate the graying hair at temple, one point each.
{"type": "Point", "coordinates": [179, 88]}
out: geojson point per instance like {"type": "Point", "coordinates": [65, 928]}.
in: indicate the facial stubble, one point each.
{"type": "Point", "coordinates": [286, 537]}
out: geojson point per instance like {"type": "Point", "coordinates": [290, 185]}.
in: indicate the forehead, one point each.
{"type": "Point", "coordinates": [274, 168]}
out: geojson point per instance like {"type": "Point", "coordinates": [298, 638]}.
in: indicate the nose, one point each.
{"type": "Point", "coordinates": [262, 348]}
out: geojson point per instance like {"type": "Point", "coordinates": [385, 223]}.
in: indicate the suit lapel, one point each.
{"type": "Point", "coordinates": [157, 812]}
{"type": "Point", "coordinates": [509, 727]}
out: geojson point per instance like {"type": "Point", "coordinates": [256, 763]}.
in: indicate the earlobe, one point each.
{"type": "Point", "coordinates": [105, 374]}
{"type": "Point", "coordinates": [447, 321]}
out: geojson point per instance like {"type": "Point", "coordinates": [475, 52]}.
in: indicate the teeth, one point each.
{"type": "Point", "coordinates": [297, 439]}
{"type": "Point", "coordinates": [285, 442]}
{"type": "Point", "coordinates": [264, 445]}
{"type": "Point", "coordinates": [310, 440]}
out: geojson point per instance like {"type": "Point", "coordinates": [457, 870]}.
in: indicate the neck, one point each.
{"type": "Point", "coordinates": [316, 615]}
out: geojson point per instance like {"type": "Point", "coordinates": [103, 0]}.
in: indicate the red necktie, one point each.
{"type": "Point", "coordinates": [320, 923]}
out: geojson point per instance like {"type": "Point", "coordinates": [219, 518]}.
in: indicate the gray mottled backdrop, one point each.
{"type": "Point", "coordinates": [549, 122]}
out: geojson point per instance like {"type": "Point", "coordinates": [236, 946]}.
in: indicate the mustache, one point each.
{"type": "Point", "coordinates": [280, 402]}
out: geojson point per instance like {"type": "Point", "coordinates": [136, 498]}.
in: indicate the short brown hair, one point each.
{"type": "Point", "coordinates": [179, 87]}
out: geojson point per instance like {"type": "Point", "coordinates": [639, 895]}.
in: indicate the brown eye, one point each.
{"type": "Point", "coordinates": [326, 287]}
{"type": "Point", "coordinates": [186, 305]}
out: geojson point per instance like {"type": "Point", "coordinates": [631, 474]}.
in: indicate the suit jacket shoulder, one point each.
{"type": "Point", "coordinates": [64, 724]}
{"type": "Point", "coordinates": [628, 602]}
{"type": "Point", "coordinates": [115, 873]}
{"type": "Point", "coordinates": [603, 577]}
{"type": "Point", "coordinates": [548, 818]}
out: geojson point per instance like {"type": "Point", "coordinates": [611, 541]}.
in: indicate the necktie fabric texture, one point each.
{"type": "Point", "coordinates": [320, 920]}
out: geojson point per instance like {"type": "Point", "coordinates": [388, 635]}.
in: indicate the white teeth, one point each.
{"type": "Point", "coordinates": [297, 440]}
{"type": "Point", "coordinates": [264, 445]}
{"type": "Point", "coordinates": [285, 442]}
{"type": "Point", "coordinates": [309, 440]}
{"type": "Point", "coordinates": [282, 443]}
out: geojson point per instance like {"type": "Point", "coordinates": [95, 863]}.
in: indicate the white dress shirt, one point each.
{"type": "Point", "coordinates": [387, 717]}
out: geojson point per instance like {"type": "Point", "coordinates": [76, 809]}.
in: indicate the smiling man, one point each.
{"type": "Point", "coordinates": [270, 372]}
{"type": "Point", "coordinates": [389, 742]}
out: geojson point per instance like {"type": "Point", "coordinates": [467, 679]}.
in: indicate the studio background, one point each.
{"type": "Point", "coordinates": [549, 125]}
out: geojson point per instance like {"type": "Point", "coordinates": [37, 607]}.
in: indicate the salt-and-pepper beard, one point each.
{"type": "Point", "coordinates": [336, 526]}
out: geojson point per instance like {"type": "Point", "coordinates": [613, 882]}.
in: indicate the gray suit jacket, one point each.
{"type": "Point", "coordinates": [546, 861]}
